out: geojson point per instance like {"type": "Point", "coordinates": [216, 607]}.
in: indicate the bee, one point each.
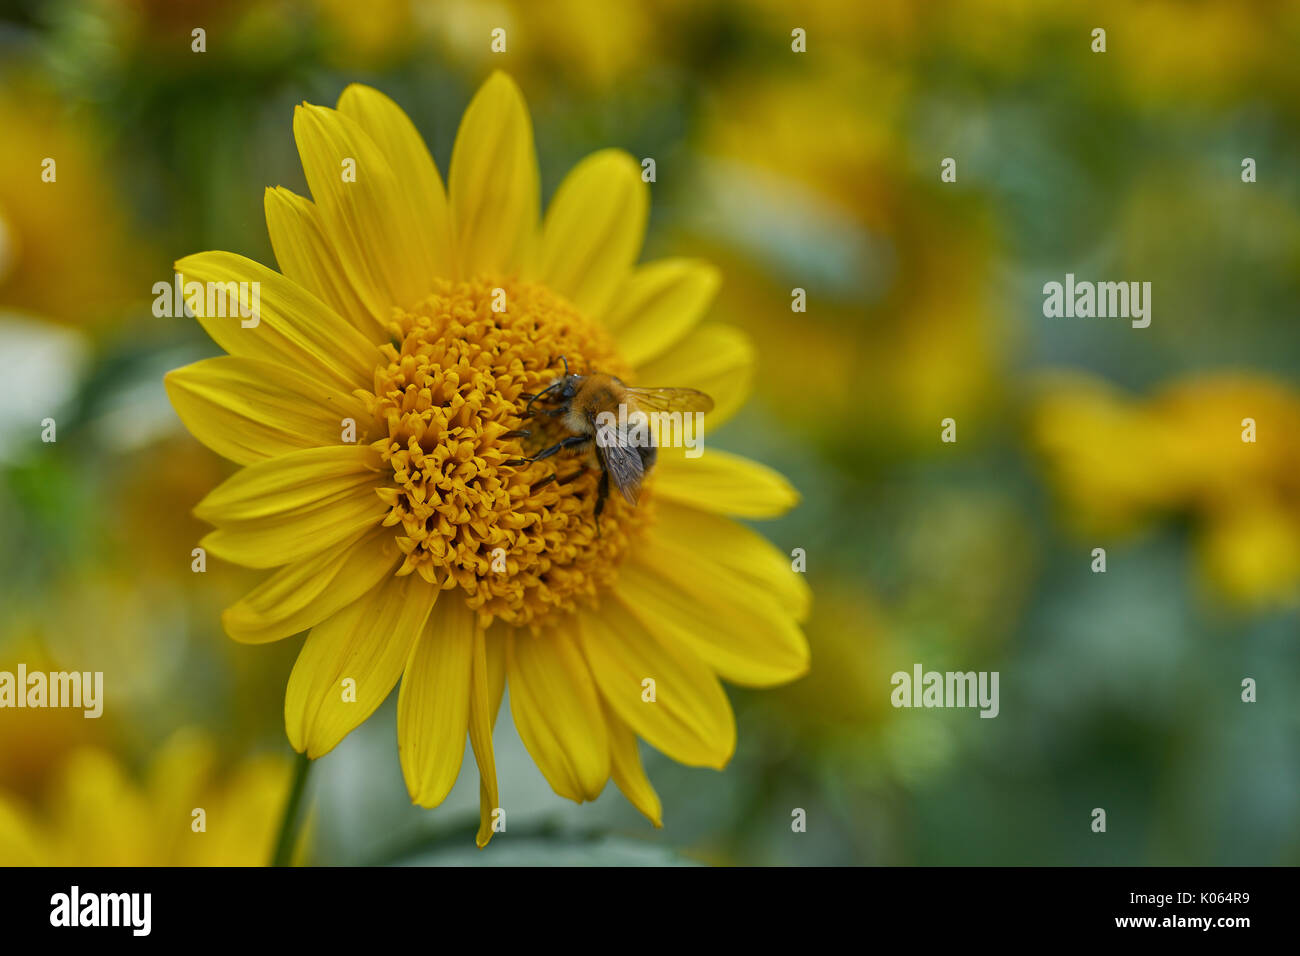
{"type": "Point", "coordinates": [587, 408]}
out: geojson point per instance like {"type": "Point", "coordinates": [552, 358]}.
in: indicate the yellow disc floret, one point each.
{"type": "Point", "coordinates": [445, 410]}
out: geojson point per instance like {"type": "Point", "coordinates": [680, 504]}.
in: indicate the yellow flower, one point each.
{"type": "Point", "coordinates": [882, 349]}
{"type": "Point", "coordinates": [587, 42]}
{"type": "Point", "coordinates": [384, 317]}
{"type": "Point", "coordinates": [96, 815]}
{"type": "Point", "coordinates": [1218, 447]}
{"type": "Point", "coordinates": [67, 252]}
{"type": "Point", "coordinates": [37, 740]}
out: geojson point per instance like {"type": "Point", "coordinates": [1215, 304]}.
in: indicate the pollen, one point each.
{"type": "Point", "coordinates": [521, 541]}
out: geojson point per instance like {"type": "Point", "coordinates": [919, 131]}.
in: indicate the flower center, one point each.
{"type": "Point", "coordinates": [519, 542]}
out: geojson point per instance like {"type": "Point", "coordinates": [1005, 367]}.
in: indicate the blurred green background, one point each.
{"type": "Point", "coordinates": [817, 170]}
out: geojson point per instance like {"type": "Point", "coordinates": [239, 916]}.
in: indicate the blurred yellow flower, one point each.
{"type": "Point", "coordinates": [419, 316]}
{"type": "Point", "coordinates": [589, 41]}
{"type": "Point", "coordinates": [67, 252]}
{"type": "Point", "coordinates": [138, 596]}
{"type": "Point", "coordinates": [847, 634]}
{"type": "Point", "coordinates": [37, 740]}
{"type": "Point", "coordinates": [369, 34]}
{"type": "Point", "coordinates": [1237, 46]}
{"type": "Point", "coordinates": [904, 333]}
{"type": "Point", "coordinates": [183, 813]}
{"type": "Point", "coordinates": [1120, 462]}
{"type": "Point", "coordinates": [1234, 45]}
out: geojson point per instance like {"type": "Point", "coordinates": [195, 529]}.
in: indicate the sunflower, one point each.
{"type": "Point", "coordinates": [376, 407]}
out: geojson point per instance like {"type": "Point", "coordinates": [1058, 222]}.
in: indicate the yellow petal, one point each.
{"type": "Point", "coordinates": [403, 147]}
{"type": "Point", "coordinates": [689, 719]}
{"type": "Point", "coordinates": [493, 182]}
{"type": "Point", "coordinates": [434, 703]}
{"type": "Point", "coordinates": [368, 213]}
{"type": "Point", "coordinates": [306, 592]}
{"type": "Point", "coordinates": [717, 359]}
{"type": "Point", "coordinates": [272, 542]}
{"type": "Point", "coordinates": [306, 256]}
{"type": "Point", "coordinates": [286, 508]}
{"type": "Point", "coordinates": [625, 767]}
{"type": "Point", "coordinates": [287, 482]}
{"type": "Point", "coordinates": [755, 643]}
{"type": "Point", "coordinates": [659, 304]}
{"type": "Point", "coordinates": [724, 483]}
{"type": "Point", "coordinates": [593, 230]}
{"type": "Point", "coordinates": [248, 410]}
{"type": "Point", "coordinates": [744, 563]}
{"type": "Point", "coordinates": [247, 811]}
{"type": "Point", "coordinates": [497, 636]}
{"type": "Point", "coordinates": [557, 712]}
{"type": "Point", "coordinates": [494, 646]}
{"type": "Point", "coordinates": [180, 770]}
{"type": "Point", "coordinates": [93, 784]}
{"type": "Point", "coordinates": [350, 662]}
{"type": "Point", "coordinates": [482, 715]}
{"type": "Point", "coordinates": [293, 327]}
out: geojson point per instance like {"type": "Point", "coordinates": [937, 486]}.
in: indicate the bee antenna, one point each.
{"type": "Point", "coordinates": [566, 366]}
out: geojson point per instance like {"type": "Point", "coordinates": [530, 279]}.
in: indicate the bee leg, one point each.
{"type": "Point", "coordinates": [573, 477]}
{"type": "Point", "coordinates": [573, 441]}
{"type": "Point", "coordinates": [545, 481]}
{"type": "Point", "coordinates": [549, 388]}
{"type": "Point", "coordinates": [518, 433]}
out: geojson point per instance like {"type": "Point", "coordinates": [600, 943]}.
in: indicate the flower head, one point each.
{"type": "Point", "coordinates": [376, 402]}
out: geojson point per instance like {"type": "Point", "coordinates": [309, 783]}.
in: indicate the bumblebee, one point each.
{"type": "Point", "coordinates": [594, 410]}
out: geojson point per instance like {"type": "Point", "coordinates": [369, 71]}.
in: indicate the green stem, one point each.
{"type": "Point", "coordinates": [289, 822]}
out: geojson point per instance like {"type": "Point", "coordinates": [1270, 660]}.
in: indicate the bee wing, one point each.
{"type": "Point", "coordinates": [672, 399]}
{"type": "Point", "coordinates": [622, 460]}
